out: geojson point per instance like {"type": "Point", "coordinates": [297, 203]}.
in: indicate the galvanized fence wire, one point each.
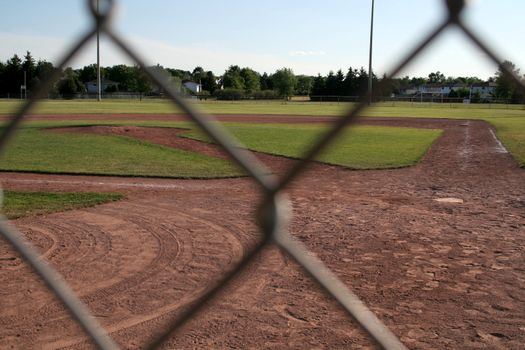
{"type": "Point", "coordinates": [274, 210]}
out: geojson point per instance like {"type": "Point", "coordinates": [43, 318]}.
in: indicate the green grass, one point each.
{"type": "Point", "coordinates": [36, 150]}
{"type": "Point", "coordinates": [362, 147]}
{"type": "Point", "coordinates": [398, 109]}
{"type": "Point", "coordinates": [92, 107]}
{"type": "Point", "coordinates": [19, 204]}
{"type": "Point", "coordinates": [508, 119]}
{"type": "Point", "coordinates": [511, 132]}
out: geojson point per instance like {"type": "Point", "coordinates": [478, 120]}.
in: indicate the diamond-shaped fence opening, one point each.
{"type": "Point", "coordinates": [273, 214]}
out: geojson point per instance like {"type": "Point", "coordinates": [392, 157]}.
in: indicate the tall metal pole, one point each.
{"type": "Point", "coordinates": [99, 88]}
{"type": "Point", "coordinates": [370, 56]}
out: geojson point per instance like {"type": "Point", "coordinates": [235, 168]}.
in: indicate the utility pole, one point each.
{"type": "Point", "coordinates": [99, 88]}
{"type": "Point", "coordinates": [370, 56]}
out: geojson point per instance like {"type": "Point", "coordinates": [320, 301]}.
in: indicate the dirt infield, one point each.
{"type": "Point", "coordinates": [439, 274]}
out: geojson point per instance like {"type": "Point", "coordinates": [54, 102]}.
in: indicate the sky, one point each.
{"type": "Point", "coordinates": [309, 36]}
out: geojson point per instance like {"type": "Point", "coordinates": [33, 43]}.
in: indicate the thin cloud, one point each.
{"type": "Point", "coordinates": [306, 53]}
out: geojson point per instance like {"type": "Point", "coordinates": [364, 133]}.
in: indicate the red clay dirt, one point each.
{"type": "Point", "coordinates": [440, 275]}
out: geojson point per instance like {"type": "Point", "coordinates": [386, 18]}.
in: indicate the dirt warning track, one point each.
{"type": "Point", "coordinates": [439, 274]}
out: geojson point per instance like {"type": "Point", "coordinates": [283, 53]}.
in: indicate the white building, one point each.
{"type": "Point", "coordinates": [484, 90]}
{"type": "Point", "coordinates": [193, 87]}
{"type": "Point", "coordinates": [91, 86]}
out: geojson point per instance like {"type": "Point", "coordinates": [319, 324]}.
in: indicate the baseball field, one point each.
{"type": "Point", "coordinates": [418, 208]}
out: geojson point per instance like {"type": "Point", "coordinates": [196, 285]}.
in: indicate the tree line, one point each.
{"type": "Point", "coordinates": [237, 82]}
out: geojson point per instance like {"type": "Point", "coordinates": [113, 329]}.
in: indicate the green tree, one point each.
{"type": "Point", "coordinates": [350, 82]}
{"type": "Point", "coordinates": [89, 72]}
{"type": "Point", "coordinates": [339, 83]}
{"type": "Point", "coordinates": [70, 84]}
{"type": "Point", "coordinates": [142, 82]}
{"type": "Point", "coordinates": [123, 75]}
{"type": "Point", "coordinates": [198, 74]}
{"type": "Point", "coordinates": [331, 84]}
{"type": "Point", "coordinates": [183, 75]}
{"type": "Point", "coordinates": [362, 82]}
{"type": "Point", "coordinates": [209, 82]}
{"type": "Point", "coordinates": [3, 81]}
{"type": "Point", "coordinates": [44, 69]}
{"type": "Point", "coordinates": [251, 80]}
{"type": "Point", "coordinates": [506, 87]}
{"type": "Point", "coordinates": [304, 85]}
{"type": "Point", "coordinates": [266, 82]}
{"type": "Point", "coordinates": [436, 78]}
{"type": "Point", "coordinates": [13, 76]}
{"type": "Point", "coordinates": [232, 78]}
{"type": "Point", "coordinates": [284, 82]}
{"type": "Point", "coordinates": [29, 67]}
{"type": "Point", "coordinates": [417, 81]}
{"type": "Point", "coordinates": [318, 86]}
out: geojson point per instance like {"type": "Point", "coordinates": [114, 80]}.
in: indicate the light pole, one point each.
{"type": "Point", "coordinates": [99, 88]}
{"type": "Point", "coordinates": [370, 56]}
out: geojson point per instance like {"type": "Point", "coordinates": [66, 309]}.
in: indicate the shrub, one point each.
{"type": "Point", "coordinates": [230, 94]}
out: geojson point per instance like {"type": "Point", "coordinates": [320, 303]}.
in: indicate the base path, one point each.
{"type": "Point", "coordinates": [435, 250]}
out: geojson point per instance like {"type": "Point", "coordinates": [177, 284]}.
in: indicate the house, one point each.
{"type": "Point", "coordinates": [193, 87]}
{"type": "Point", "coordinates": [486, 90]}
{"type": "Point", "coordinates": [427, 90]}
{"type": "Point", "coordinates": [91, 86]}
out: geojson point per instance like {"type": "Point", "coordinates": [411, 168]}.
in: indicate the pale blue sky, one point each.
{"type": "Point", "coordinates": [309, 36]}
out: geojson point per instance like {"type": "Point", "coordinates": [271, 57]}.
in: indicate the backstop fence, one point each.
{"type": "Point", "coordinates": [273, 213]}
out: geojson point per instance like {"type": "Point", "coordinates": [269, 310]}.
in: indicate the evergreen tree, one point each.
{"type": "Point", "coordinates": [265, 82]}
{"type": "Point", "coordinates": [339, 83]}
{"type": "Point", "coordinates": [29, 67]}
{"type": "Point", "coordinates": [318, 86]}
{"type": "Point", "coordinates": [350, 82]}
{"type": "Point", "coordinates": [13, 77]}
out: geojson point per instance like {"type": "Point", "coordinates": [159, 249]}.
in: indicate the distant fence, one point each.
{"type": "Point", "coordinates": [410, 99]}
{"type": "Point", "coordinates": [391, 100]}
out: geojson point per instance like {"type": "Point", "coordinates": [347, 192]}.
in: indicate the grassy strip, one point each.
{"type": "Point", "coordinates": [511, 132]}
{"type": "Point", "coordinates": [36, 150]}
{"type": "Point", "coordinates": [19, 204]}
{"type": "Point", "coordinates": [92, 107]}
{"type": "Point", "coordinates": [508, 119]}
{"type": "Point", "coordinates": [397, 109]}
{"type": "Point", "coordinates": [362, 147]}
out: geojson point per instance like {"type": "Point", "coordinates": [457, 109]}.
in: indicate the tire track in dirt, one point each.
{"type": "Point", "coordinates": [191, 267]}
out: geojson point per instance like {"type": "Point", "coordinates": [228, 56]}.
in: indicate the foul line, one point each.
{"type": "Point", "coordinates": [499, 146]}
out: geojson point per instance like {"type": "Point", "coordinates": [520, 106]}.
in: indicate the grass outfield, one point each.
{"type": "Point", "coordinates": [362, 147]}
{"type": "Point", "coordinates": [509, 120]}
{"type": "Point", "coordinates": [37, 150]}
{"type": "Point", "coordinates": [19, 204]}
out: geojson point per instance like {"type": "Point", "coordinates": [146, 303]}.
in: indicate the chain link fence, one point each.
{"type": "Point", "coordinates": [274, 210]}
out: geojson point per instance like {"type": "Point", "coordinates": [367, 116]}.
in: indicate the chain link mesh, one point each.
{"type": "Point", "coordinates": [273, 214]}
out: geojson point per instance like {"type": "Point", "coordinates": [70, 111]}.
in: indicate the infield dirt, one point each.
{"type": "Point", "coordinates": [440, 275]}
